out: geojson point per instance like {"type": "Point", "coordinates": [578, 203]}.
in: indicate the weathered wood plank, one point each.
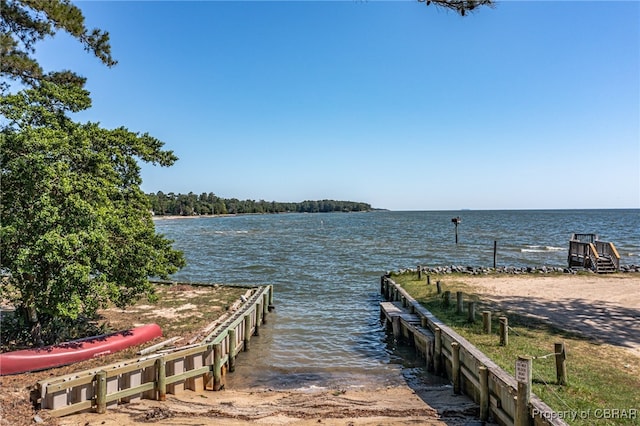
{"type": "Point", "coordinates": [500, 385]}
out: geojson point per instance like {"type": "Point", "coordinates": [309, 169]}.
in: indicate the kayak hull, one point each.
{"type": "Point", "coordinates": [74, 351]}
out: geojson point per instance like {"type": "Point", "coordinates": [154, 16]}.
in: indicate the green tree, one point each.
{"type": "Point", "coordinates": [75, 229]}
{"type": "Point", "coordinates": [23, 23]}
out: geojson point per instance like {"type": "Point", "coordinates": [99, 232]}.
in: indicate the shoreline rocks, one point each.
{"type": "Point", "coordinates": [512, 270]}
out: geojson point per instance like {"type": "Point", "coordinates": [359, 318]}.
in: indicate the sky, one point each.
{"type": "Point", "coordinates": [528, 105]}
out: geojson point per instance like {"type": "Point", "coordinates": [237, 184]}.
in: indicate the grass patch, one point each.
{"type": "Point", "coordinates": [601, 377]}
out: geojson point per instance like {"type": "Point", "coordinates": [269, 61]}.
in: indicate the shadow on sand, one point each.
{"type": "Point", "coordinates": [599, 322]}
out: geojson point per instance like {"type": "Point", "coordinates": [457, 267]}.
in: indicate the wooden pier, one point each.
{"type": "Point", "coordinates": [449, 354]}
{"type": "Point", "coordinates": [411, 328]}
{"type": "Point", "coordinates": [587, 251]}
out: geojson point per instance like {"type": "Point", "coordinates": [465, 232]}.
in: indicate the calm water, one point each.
{"type": "Point", "coordinates": [326, 270]}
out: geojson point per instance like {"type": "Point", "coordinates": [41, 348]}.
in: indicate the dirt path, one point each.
{"type": "Point", "coordinates": [604, 308]}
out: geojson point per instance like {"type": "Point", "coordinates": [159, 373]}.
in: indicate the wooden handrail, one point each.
{"type": "Point", "coordinates": [615, 256]}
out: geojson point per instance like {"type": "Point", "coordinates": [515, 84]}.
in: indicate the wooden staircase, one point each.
{"type": "Point", "coordinates": [604, 265]}
{"type": "Point", "coordinates": [587, 251]}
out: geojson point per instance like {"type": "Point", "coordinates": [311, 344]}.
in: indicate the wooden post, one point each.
{"type": "Point", "coordinates": [101, 392]}
{"type": "Point", "coordinates": [486, 321]}
{"type": "Point", "coordinates": [397, 330]}
{"type": "Point", "coordinates": [523, 377]}
{"type": "Point", "coordinates": [428, 355]}
{"type": "Point", "coordinates": [437, 356]}
{"type": "Point", "coordinates": [419, 272]}
{"type": "Point", "coordinates": [161, 382]}
{"type": "Point", "coordinates": [423, 322]}
{"type": "Point", "coordinates": [256, 331]}
{"type": "Point", "coordinates": [495, 252]}
{"type": "Point", "coordinates": [217, 366]}
{"type": "Point", "coordinates": [455, 366]}
{"type": "Point", "coordinates": [428, 279]}
{"type": "Point", "coordinates": [447, 299]}
{"type": "Point", "coordinates": [561, 363]}
{"type": "Point", "coordinates": [247, 331]}
{"type": "Point", "coordinates": [232, 350]}
{"type": "Point", "coordinates": [459, 302]}
{"type": "Point", "coordinates": [438, 287]}
{"type": "Point", "coordinates": [382, 284]}
{"type": "Point", "coordinates": [504, 331]}
{"type": "Point", "coordinates": [456, 221]}
{"type": "Point", "coordinates": [265, 307]}
{"type": "Point", "coordinates": [270, 298]}
{"type": "Point", "coordinates": [472, 312]}
{"type": "Point", "coordinates": [483, 373]}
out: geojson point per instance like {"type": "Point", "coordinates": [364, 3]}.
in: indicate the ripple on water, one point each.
{"type": "Point", "coordinates": [325, 269]}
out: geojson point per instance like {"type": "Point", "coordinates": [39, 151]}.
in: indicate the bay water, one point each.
{"type": "Point", "coordinates": [325, 268]}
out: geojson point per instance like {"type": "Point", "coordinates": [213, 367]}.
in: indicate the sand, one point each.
{"type": "Point", "coordinates": [605, 308]}
{"type": "Point", "coordinates": [390, 406]}
{"type": "Point", "coordinates": [587, 304]}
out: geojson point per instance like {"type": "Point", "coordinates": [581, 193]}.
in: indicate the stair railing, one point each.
{"type": "Point", "coordinates": [592, 254]}
{"type": "Point", "coordinates": [608, 250]}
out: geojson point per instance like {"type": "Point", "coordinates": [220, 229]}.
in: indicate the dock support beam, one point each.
{"type": "Point", "coordinates": [455, 367]}
{"type": "Point", "coordinates": [217, 367]}
{"type": "Point", "coordinates": [161, 382]}
{"type": "Point", "coordinates": [101, 392]}
{"type": "Point", "coordinates": [437, 359]}
{"type": "Point", "coordinates": [232, 350]}
{"type": "Point", "coordinates": [483, 374]}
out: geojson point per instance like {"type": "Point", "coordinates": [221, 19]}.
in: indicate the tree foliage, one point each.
{"type": "Point", "coordinates": [23, 23]}
{"type": "Point", "coordinates": [76, 232]}
{"type": "Point", "coordinates": [206, 204]}
{"type": "Point", "coordinates": [460, 6]}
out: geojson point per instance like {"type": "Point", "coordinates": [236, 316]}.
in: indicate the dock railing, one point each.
{"type": "Point", "coordinates": [609, 250]}
{"type": "Point", "coordinates": [470, 370]}
{"type": "Point", "coordinates": [196, 367]}
{"type": "Point", "coordinates": [587, 251]}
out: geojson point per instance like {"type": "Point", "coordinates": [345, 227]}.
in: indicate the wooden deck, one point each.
{"type": "Point", "coordinates": [587, 251]}
{"type": "Point", "coordinates": [449, 354]}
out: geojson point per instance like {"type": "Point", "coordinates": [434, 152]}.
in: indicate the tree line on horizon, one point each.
{"type": "Point", "coordinates": [190, 204]}
{"type": "Point", "coordinates": [76, 232]}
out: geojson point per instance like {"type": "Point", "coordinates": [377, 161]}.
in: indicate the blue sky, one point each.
{"type": "Point", "coordinates": [530, 105]}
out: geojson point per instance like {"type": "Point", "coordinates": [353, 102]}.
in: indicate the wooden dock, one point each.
{"type": "Point", "coordinates": [409, 326]}
{"type": "Point", "coordinates": [587, 251]}
{"type": "Point", "coordinates": [449, 354]}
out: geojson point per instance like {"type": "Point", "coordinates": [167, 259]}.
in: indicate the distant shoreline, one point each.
{"type": "Point", "coordinates": [176, 217]}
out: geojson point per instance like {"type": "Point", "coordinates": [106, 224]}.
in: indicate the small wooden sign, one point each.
{"type": "Point", "coordinates": [522, 371]}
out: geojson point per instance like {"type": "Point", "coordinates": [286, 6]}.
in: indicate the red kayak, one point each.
{"type": "Point", "coordinates": [76, 350]}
